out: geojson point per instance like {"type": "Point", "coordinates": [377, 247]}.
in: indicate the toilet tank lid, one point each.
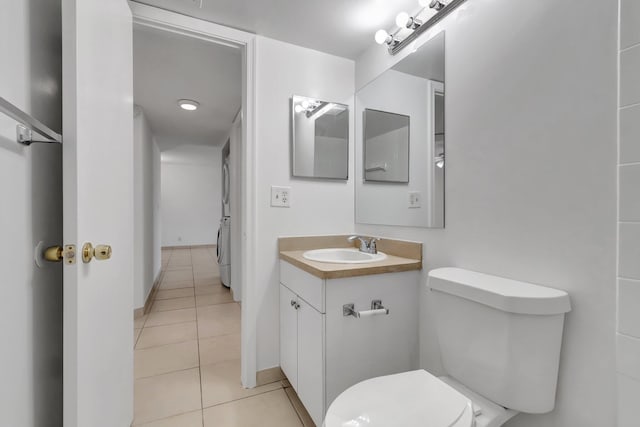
{"type": "Point", "coordinates": [503, 294]}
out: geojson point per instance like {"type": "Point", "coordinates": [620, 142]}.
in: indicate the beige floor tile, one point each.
{"type": "Point", "coordinates": [211, 299]}
{"type": "Point", "coordinates": [172, 267]}
{"type": "Point", "coordinates": [173, 304]}
{"type": "Point", "coordinates": [136, 334]}
{"type": "Point", "coordinates": [220, 319]}
{"type": "Point", "coordinates": [208, 274]}
{"type": "Point", "coordinates": [139, 322]}
{"type": "Point", "coordinates": [166, 358]}
{"type": "Point", "coordinates": [174, 293]}
{"type": "Point", "coordinates": [221, 383]}
{"type": "Point", "coordinates": [209, 281]}
{"type": "Point", "coordinates": [270, 376]}
{"type": "Point", "coordinates": [165, 395]}
{"type": "Point", "coordinates": [167, 334]}
{"type": "Point", "coordinates": [177, 275]}
{"type": "Point", "coordinates": [299, 408]}
{"type": "Point", "coordinates": [179, 261]}
{"type": "Point", "coordinates": [211, 289]}
{"type": "Point", "coordinates": [169, 317]}
{"type": "Point", "coordinates": [219, 349]}
{"type": "Point", "coordinates": [271, 409]}
{"type": "Point", "coordinates": [176, 285]}
{"type": "Point", "coordinates": [190, 419]}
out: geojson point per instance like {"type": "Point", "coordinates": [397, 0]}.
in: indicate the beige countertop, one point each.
{"type": "Point", "coordinates": [291, 250]}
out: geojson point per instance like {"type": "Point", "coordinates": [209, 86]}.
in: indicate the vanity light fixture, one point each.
{"type": "Point", "coordinates": [382, 37]}
{"type": "Point", "coordinates": [403, 20]}
{"type": "Point", "coordinates": [188, 104]}
{"type": "Point", "coordinates": [309, 106]}
{"type": "Point", "coordinates": [417, 26]}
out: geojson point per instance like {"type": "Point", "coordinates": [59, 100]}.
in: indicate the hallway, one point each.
{"type": "Point", "coordinates": [187, 355]}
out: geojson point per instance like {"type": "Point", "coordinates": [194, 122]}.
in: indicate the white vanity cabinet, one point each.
{"type": "Point", "coordinates": [301, 350]}
{"type": "Point", "coordinates": [323, 352]}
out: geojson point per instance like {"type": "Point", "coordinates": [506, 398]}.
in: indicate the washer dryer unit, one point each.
{"type": "Point", "coordinates": [224, 250]}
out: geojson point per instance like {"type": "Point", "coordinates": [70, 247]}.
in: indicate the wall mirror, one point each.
{"type": "Point", "coordinates": [400, 142]}
{"type": "Point", "coordinates": [320, 138]}
{"type": "Point", "coordinates": [386, 146]}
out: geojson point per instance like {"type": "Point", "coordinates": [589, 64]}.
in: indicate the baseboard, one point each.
{"type": "Point", "coordinates": [152, 294]}
{"type": "Point", "coordinates": [268, 376]}
{"type": "Point", "coordinates": [189, 246]}
{"type": "Point", "coordinates": [139, 312]}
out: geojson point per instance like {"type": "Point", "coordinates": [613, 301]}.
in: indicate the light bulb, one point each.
{"type": "Point", "coordinates": [382, 37]}
{"type": "Point", "coordinates": [298, 108]}
{"type": "Point", "coordinates": [305, 104]}
{"type": "Point", "coordinates": [402, 19]}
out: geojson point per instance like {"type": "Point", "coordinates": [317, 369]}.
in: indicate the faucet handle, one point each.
{"type": "Point", "coordinates": [373, 248]}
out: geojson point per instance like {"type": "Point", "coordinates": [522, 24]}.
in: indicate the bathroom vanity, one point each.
{"type": "Point", "coordinates": [342, 323]}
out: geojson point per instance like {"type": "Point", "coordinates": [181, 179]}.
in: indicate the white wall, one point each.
{"type": "Point", "coordinates": [157, 221]}
{"type": "Point", "coordinates": [531, 176]}
{"type": "Point", "coordinates": [191, 204]}
{"type": "Point", "coordinates": [146, 200]}
{"type": "Point", "coordinates": [317, 206]}
{"type": "Point", "coordinates": [628, 337]}
{"type": "Point", "coordinates": [30, 211]}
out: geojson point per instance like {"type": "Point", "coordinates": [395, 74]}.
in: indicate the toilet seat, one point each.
{"type": "Point", "coordinates": [414, 398]}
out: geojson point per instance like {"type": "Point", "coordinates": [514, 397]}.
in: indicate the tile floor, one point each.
{"type": "Point", "coordinates": [187, 355]}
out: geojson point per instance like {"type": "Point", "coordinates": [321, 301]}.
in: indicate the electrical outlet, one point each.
{"type": "Point", "coordinates": [280, 196]}
{"type": "Point", "coordinates": [415, 199]}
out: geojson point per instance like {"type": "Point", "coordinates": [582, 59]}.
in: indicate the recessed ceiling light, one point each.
{"type": "Point", "coordinates": [188, 104]}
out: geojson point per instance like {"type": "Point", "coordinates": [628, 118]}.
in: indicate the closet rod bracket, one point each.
{"type": "Point", "coordinates": [24, 136]}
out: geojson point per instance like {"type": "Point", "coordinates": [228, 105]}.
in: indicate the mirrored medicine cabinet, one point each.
{"type": "Point", "coordinates": [400, 142]}
{"type": "Point", "coordinates": [319, 138]}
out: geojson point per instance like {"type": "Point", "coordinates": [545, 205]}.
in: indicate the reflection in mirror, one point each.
{"type": "Point", "coordinates": [414, 89]}
{"type": "Point", "coordinates": [386, 146]}
{"type": "Point", "coordinates": [320, 138]}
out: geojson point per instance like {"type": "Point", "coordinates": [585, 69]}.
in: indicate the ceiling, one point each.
{"type": "Point", "coordinates": [168, 67]}
{"type": "Point", "coordinates": [340, 27]}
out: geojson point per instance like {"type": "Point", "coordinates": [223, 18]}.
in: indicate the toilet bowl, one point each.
{"type": "Point", "coordinates": [415, 398]}
{"type": "Point", "coordinates": [500, 343]}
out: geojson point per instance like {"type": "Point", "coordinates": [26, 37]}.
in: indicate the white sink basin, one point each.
{"type": "Point", "coordinates": [342, 256]}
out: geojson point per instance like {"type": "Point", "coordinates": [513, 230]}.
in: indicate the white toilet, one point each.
{"type": "Point", "coordinates": [500, 343]}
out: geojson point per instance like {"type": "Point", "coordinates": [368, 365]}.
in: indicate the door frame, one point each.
{"type": "Point", "coordinates": [244, 256]}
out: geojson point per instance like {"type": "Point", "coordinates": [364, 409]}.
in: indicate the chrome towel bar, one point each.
{"type": "Point", "coordinates": [27, 125]}
{"type": "Point", "coordinates": [376, 308]}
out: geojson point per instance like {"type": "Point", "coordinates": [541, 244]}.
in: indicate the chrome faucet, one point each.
{"type": "Point", "coordinates": [367, 244]}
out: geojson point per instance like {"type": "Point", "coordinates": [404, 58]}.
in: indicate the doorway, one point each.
{"type": "Point", "coordinates": [194, 328]}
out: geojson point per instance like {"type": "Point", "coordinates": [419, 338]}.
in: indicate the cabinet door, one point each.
{"type": "Point", "coordinates": [311, 360]}
{"type": "Point", "coordinates": [289, 335]}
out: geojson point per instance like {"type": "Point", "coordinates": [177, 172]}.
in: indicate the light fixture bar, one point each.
{"type": "Point", "coordinates": [394, 49]}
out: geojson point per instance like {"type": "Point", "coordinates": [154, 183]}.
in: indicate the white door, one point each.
{"type": "Point", "coordinates": [98, 208]}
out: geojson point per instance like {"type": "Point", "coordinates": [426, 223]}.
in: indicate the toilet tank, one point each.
{"type": "Point", "coordinates": [499, 337]}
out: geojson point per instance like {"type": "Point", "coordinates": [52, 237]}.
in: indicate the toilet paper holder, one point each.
{"type": "Point", "coordinates": [376, 308]}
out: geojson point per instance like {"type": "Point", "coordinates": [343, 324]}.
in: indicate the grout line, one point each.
{"type": "Point", "coordinates": [198, 338]}
{"type": "Point", "coordinates": [245, 397]}
{"type": "Point", "coordinates": [167, 373]}
{"type": "Point", "coordinates": [624, 107]}
{"type": "Point", "coordinates": [633, 279]}
{"type": "Point", "coordinates": [629, 47]}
